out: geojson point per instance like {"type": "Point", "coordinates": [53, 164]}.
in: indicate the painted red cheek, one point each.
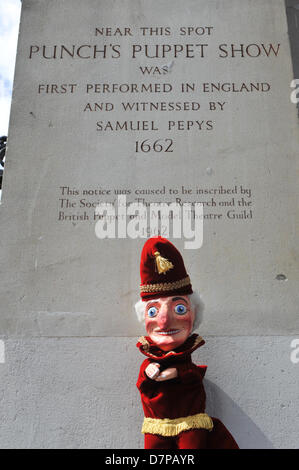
{"type": "Point", "coordinates": [185, 321]}
{"type": "Point", "coordinates": [150, 322]}
{"type": "Point", "coordinates": [185, 318]}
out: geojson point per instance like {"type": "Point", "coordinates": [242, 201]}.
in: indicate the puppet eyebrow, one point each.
{"type": "Point", "coordinates": [153, 302]}
{"type": "Point", "coordinates": [174, 299]}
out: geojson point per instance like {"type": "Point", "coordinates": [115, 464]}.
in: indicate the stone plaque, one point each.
{"type": "Point", "coordinates": [136, 101]}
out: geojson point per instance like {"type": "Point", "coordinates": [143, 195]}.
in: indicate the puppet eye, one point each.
{"type": "Point", "coordinates": [180, 309]}
{"type": "Point", "coordinates": [152, 312]}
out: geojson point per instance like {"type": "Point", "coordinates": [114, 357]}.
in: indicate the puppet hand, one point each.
{"type": "Point", "coordinates": [167, 374]}
{"type": "Point", "coordinates": [153, 370]}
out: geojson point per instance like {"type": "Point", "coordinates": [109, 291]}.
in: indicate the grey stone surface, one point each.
{"type": "Point", "coordinates": [59, 278]}
{"type": "Point", "coordinates": [292, 8]}
{"type": "Point", "coordinates": [71, 365]}
{"type": "Point", "coordinates": [80, 392]}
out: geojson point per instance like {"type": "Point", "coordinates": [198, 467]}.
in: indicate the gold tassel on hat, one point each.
{"type": "Point", "coordinates": [163, 264]}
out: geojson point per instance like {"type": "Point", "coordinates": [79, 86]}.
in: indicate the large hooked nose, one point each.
{"type": "Point", "coordinates": [164, 318]}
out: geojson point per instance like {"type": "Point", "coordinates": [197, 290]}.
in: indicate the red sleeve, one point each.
{"type": "Point", "coordinates": [144, 381]}
{"type": "Point", "coordinates": [188, 372]}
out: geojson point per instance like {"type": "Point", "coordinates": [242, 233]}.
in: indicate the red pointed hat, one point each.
{"type": "Point", "coordinates": [162, 270]}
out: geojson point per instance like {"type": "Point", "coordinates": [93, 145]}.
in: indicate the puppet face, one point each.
{"type": "Point", "coordinates": [169, 321]}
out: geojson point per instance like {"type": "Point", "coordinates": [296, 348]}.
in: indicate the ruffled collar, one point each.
{"type": "Point", "coordinates": [151, 350]}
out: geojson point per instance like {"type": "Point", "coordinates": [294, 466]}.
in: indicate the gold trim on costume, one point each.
{"type": "Point", "coordinates": [165, 286]}
{"type": "Point", "coordinates": [173, 427]}
{"type": "Point", "coordinates": [144, 343]}
{"type": "Point", "coordinates": [146, 346]}
{"type": "Point", "coordinates": [199, 339]}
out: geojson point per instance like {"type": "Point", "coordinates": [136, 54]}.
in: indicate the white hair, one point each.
{"type": "Point", "coordinates": [196, 303]}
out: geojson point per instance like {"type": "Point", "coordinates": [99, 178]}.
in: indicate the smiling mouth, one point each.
{"type": "Point", "coordinates": [168, 332]}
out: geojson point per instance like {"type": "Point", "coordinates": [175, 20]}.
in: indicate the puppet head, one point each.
{"type": "Point", "coordinates": [168, 306]}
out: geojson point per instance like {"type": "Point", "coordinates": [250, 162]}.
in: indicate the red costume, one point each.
{"type": "Point", "coordinates": [182, 400]}
{"type": "Point", "coordinates": [171, 388]}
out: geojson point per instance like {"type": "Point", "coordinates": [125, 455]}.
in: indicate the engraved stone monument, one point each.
{"type": "Point", "coordinates": [136, 101]}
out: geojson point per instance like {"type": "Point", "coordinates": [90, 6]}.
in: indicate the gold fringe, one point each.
{"type": "Point", "coordinates": [165, 286]}
{"type": "Point", "coordinates": [163, 264]}
{"type": "Point", "coordinates": [144, 343]}
{"type": "Point", "coordinates": [173, 427]}
{"type": "Point", "coordinates": [199, 339]}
